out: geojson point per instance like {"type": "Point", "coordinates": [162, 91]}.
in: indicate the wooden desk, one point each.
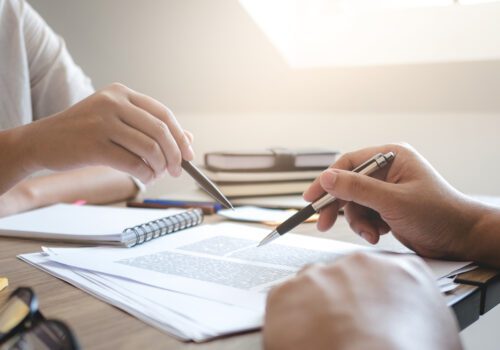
{"type": "Point", "coordinates": [101, 326]}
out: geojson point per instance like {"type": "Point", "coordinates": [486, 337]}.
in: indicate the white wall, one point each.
{"type": "Point", "coordinates": [210, 63]}
{"type": "Point", "coordinates": [208, 56]}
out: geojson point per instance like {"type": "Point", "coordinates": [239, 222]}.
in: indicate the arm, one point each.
{"type": "Point", "coordinates": [96, 185]}
{"type": "Point", "coordinates": [410, 199]}
{"type": "Point", "coordinates": [116, 127]}
{"type": "Point", "coordinates": [362, 301]}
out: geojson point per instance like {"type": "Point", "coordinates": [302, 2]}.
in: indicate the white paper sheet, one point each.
{"type": "Point", "coordinates": [217, 262]}
{"type": "Point", "coordinates": [186, 317]}
{"type": "Point", "coordinates": [199, 283]}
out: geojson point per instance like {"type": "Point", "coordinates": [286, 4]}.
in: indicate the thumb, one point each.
{"type": "Point", "coordinates": [361, 189]}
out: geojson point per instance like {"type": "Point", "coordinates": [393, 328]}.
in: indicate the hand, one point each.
{"type": "Point", "coordinates": [116, 126]}
{"type": "Point", "coordinates": [408, 198]}
{"type": "Point", "coordinates": [362, 301]}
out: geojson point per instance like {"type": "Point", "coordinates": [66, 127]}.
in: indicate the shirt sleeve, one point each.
{"type": "Point", "coordinates": [56, 82]}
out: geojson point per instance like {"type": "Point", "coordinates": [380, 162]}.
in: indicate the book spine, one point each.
{"type": "Point", "coordinates": [139, 234]}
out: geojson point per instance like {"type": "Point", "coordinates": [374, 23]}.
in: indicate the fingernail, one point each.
{"type": "Point", "coordinates": [328, 179]}
{"type": "Point", "coordinates": [366, 236]}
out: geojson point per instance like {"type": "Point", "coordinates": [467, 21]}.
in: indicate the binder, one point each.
{"type": "Point", "coordinates": [89, 224]}
{"type": "Point", "coordinates": [156, 228]}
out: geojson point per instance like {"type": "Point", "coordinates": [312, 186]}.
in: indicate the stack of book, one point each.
{"type": "Point", "coordinates": [266, 173]}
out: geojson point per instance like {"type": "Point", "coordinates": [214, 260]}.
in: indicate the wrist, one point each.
{"type": "Point", "coordinates": [484, 238]}
{"type": "Point", "coordinates": [15, 157]}
{"type": "Point", "coordinates": [18, 199]}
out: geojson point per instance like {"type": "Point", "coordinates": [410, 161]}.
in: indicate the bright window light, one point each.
{"type": "Point", "coordinates": [319, 33]}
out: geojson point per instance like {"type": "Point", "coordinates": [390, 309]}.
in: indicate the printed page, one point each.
{"type": "Point", "coordinates": [184, 316]}
{"type": "Point", "coordinates": [218, 262]}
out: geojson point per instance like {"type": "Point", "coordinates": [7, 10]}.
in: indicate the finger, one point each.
{"type": "Point", "coordinates": [163, 113]}
{"type": "Point", "coordinates": [190, 136]}
{"type": "Point", "coordinates": [327, 217]}
{"type": "Point", "coordinates": [363, 221]}
{"type": "Point", "coordinates": [121, 159]}
{"type": "Point", "coordinates": [351, 160]}
{"type": "Point", "coordinates": [314, 191]}
{"type": "Point", "coordinates": [142, 145]}
{"type": "Point", "coordinates": [156, 129]}
{"type": "Point", "coordinates": [365, 190]}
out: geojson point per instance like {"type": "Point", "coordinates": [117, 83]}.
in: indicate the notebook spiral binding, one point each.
{"type": "Point", "coordinates": [161, 227]}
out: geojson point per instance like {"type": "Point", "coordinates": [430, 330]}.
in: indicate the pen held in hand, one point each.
{"type": "Point", "coordinates": [206, 183]}
{"type": "Point", "coordinates": [378, 161]}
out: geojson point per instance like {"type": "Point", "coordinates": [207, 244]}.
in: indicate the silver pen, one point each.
{"type": "Point", "coordinates": [376, 162]}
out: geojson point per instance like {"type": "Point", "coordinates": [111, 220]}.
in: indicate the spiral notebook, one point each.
{"type": "Point", "coordinates": [98, 224]}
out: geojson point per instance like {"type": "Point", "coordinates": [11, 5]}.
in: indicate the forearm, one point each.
{"type": "Point", "coordinates": [96, 185]}
{"type": "Point", "coordinates": [485, 238]}
{"type": "Point", "coordinates": [14, 158]}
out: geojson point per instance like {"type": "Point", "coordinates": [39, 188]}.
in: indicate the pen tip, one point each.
{"type": "Point", "coordinates": [269, 238]}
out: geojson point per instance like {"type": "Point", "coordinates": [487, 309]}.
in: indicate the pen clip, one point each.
{"type": "Point", "coordinates": [359, 168]}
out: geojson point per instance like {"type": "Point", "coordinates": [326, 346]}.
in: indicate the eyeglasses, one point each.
{"type": "Point", "coordinates": [23, 327]}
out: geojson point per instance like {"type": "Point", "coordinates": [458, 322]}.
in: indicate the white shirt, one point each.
{"type": "Point", "coordinates": [37, 75]}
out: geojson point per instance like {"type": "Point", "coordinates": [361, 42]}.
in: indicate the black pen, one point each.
{"type": "Point", "coordinates": [206, 184]}
{"type": "Point", "coordinates": [378, 161]}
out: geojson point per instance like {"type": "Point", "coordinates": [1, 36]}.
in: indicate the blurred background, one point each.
{"type": "Point", "coordinates": [232, 85]}
{"type": "Point", "coordinates": [221, 75]}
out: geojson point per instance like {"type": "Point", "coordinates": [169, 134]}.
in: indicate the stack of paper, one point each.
{"type": "Point", "coordinates": [199, 283]}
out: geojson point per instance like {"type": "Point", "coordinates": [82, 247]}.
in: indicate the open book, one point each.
{"type": "Point", "coordinates": [97, 224]}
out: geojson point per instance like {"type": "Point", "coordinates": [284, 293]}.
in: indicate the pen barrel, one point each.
{"type": "Point", "coordinates": [296, 219]}
{"type": "Point", "coordinates": [323, 202]}
{"type": "Point", "coordinates": [376, 162]}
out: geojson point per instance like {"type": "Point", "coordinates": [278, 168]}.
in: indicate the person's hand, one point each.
{"type": "Point", "coordinates": [362, 301]}
{"type": "Point", "coordinates": [408, 197]}
{"type": "Point", "coordinates": [117, 127]}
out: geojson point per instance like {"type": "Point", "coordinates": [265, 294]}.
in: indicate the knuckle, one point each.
{"type": "Point", "coordinates": [162, 127]}
{"type": "Point", "coordinates": [189, 135]}
{"type": "Point", "coordinates": [168, 113]}
{"type": "Point", "coordinates": [138, 166]}
{"type": "Point", "coordinates": [175, 156]}
{"type": "Point", "coordinates": [118, 87]}
{"type": "Point", "coordinates": [151, 147]}
{"type": "Point", "coordinates": [344, 158]}
{"type": "Point", "coordinates": [162, 130]}
{"type": "Point", "coordinates": [107, 99]}
{"type": "Point", "coordinates": [140, 170]}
